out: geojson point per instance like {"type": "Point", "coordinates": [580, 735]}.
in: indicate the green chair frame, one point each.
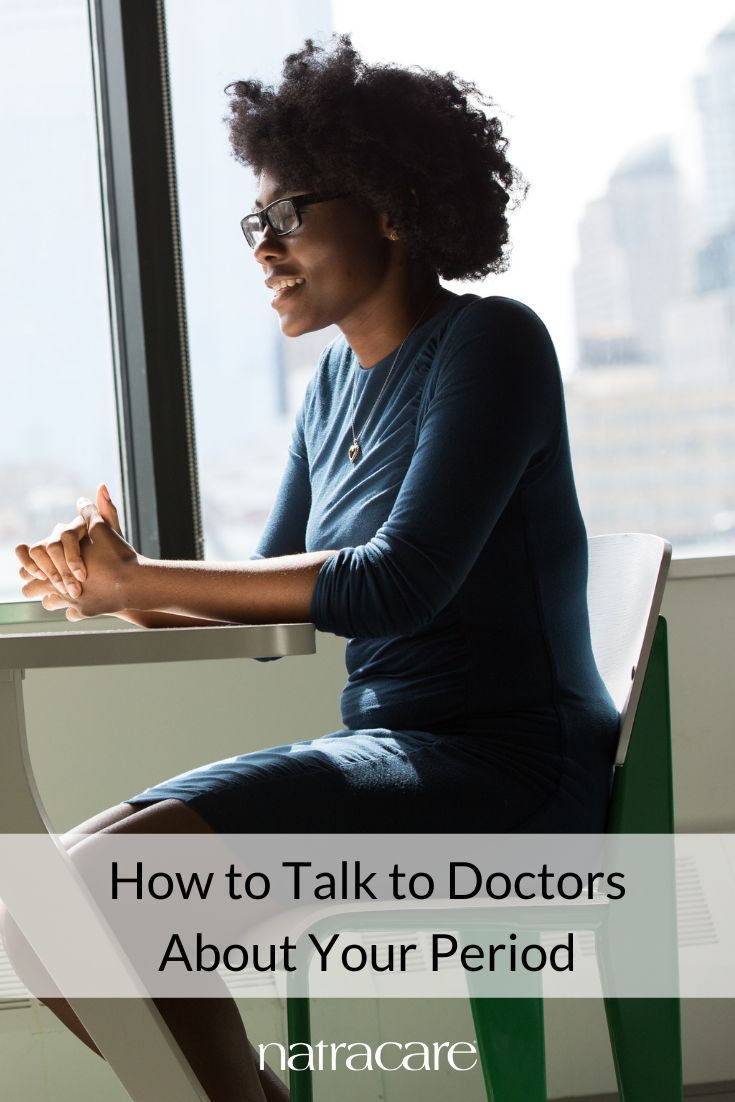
{"type": "Point", "coordinates": [645, 1033]}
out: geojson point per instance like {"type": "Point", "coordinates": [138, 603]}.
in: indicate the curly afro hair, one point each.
{"type": "Point", "coordinates": [407, 141]}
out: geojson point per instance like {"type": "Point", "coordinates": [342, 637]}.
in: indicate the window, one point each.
{"type": "Point", "coordinates": [59, 430]}
{"type": "Point", "coordinates": [618, 245]}
{"type": "Point", "coordinates": [625, 246]}
{"type": "Point", "coordinates": [247, 379]}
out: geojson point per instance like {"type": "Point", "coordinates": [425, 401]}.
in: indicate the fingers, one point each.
{"type": "Point", "coordinates": [50, 599]}
{"type": "Point", "coordinates": [63, 551]}
{"type": "Point", "coordinates": [57, 558]}
{"type": "Point", "coordinates": [107, 509]}
{"type": "Point", "coordinates": [53, 601]}
{"type": "Point", "coordinates": [42, 565]}
{"type": "Point", "coordinates": [36, 589]}
{"type": "Point", "coordinates": [90, 513]}
{"type": "Point", "coordinates": [70, 538]}
{"type": "Point", "coordinates": [27, 564]}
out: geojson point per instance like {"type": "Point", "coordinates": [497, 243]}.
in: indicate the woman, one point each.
{"type": "Point", "coordinates": [427, 511]}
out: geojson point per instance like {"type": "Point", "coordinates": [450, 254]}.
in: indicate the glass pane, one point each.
{"type": "Point", "coordinates": [59, 433]}
{"type": "Point", "coordinates": [246, 378]}
{"type": "Point", "coordinates": [625, 245]}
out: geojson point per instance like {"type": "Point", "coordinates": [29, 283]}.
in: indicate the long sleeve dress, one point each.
{"type": "Point", "coordinates": [472, 702]}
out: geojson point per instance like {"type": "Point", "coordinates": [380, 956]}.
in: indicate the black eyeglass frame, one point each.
{"type": "Point", "coordinates": [296, 201]}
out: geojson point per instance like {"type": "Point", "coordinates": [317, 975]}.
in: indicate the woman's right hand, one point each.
{"type": "Point", "coordinates": [57, 558]}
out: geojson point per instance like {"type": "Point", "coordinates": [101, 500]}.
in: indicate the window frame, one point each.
{"type": "Point", "coordinates": [145, 278]}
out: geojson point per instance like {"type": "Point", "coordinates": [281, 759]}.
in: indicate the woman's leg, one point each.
{"type": "Point", "coordinates": [210, 1032]}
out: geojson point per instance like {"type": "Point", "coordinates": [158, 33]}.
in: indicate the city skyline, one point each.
{"type": "Point", "coordinates": [579, 89]}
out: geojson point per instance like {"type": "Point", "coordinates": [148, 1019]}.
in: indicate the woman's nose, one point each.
{"type": "Point", "coordinates": [269, 247]}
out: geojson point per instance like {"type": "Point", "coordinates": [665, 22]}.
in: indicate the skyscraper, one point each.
{"type": "Point", "coordinates": [715, 95]}
{"type": "Point", "coordinates": [631, 262]}
{"type": "Point", "coordinates": [602, 292]}
{"type": "Point", "coordinates": [655, 290]}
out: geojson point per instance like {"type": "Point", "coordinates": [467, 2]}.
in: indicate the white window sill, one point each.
{"type": "Point", "coordinates": [25, 612]}
{"type": "Point", "coordinates": [708, 566]}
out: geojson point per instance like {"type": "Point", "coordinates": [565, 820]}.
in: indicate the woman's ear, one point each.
{"type": "Point", "coordinates": [388, 227]}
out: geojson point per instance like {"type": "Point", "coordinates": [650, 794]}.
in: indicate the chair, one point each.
{"type": "Point", "coordinates": [627, 574]}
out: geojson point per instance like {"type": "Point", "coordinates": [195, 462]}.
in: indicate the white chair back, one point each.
{"type": "Point", "coordinates": [625, 586]}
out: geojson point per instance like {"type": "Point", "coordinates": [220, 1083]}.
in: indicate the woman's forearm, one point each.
{"type": "Point", "coordinates": [258, 591]}
{"type": "Point", "coordinates": [152, 619]}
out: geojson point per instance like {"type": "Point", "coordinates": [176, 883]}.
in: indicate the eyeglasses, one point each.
{"type": "Point", "coordinates": [283, 216]}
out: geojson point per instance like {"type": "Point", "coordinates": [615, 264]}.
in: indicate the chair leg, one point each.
{"type": "Point", "coordinates": [510, 1042]}
{"type": "Point", "coordinates": [645, 1035]}
{"type": "Point", "coordinates": [510, 1032]}
{"type": "Point", "coordinates": [299, 1032]}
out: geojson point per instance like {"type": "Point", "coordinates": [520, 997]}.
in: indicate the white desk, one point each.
{"type": "Point", "coordinates": [130, 1032]}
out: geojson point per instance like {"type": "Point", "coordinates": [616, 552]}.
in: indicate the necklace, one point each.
{"type": "Point", "coordinates": [354, 449]}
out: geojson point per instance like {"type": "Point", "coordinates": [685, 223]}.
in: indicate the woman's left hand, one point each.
{"type": "Point", "coordinates": [110, 563]}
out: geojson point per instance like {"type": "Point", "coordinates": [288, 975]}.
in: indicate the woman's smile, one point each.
{"type": "Point", "coordinates": [285, 289]}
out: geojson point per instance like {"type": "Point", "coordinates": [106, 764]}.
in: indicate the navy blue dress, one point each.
{"type": "Point", "coordinates": [473, 702]}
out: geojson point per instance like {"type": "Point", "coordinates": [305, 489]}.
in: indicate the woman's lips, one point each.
{"type": "Point", "coordinates": [286, 292]}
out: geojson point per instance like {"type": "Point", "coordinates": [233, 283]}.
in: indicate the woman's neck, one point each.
{"type": "Point", "coordinates": [385, 322]}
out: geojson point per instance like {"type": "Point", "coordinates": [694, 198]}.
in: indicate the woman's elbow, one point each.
{"type": "Point", "coordinates": [375, 599]}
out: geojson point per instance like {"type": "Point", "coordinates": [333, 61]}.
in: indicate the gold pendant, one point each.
{"type": "Point", "coordinates": [354, 451]}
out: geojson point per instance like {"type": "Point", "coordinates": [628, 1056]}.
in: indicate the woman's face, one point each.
{"type": "Point", "coordinates": [341, 252]}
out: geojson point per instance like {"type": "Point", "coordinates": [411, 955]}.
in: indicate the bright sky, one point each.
{"type": "Point", "coordinates": [578, 85]}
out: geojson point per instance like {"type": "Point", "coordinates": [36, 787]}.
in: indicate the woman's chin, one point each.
{"type": "Point", "coordinates": [292, 327]}
{"type": "Point", "coordinates": [296, 325]}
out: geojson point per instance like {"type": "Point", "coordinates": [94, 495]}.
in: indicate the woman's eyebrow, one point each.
{"type": "Point", "coordinates": [278, 191]}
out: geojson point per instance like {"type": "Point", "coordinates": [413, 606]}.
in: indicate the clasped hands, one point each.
{"type": "Point", "coordinates": [85, 567]}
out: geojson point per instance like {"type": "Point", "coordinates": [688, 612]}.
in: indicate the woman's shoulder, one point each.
{"type": "Point", "coordinates": [502, 331]}
{"type": "Point", "coordinates": [498, 366]}
{"type": "Point", "coordinates": [495, 313]}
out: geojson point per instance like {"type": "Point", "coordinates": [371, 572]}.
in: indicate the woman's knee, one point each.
{"type": "Point", "coordinates": [101, 821]}
{"type": "Point", "coordinates": [158, 817]}
{"type": "Point", "coordinates": [91, 851]}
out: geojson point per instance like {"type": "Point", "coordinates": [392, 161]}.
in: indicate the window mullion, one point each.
{"type": "Point", "coordinates": [145, 280]}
